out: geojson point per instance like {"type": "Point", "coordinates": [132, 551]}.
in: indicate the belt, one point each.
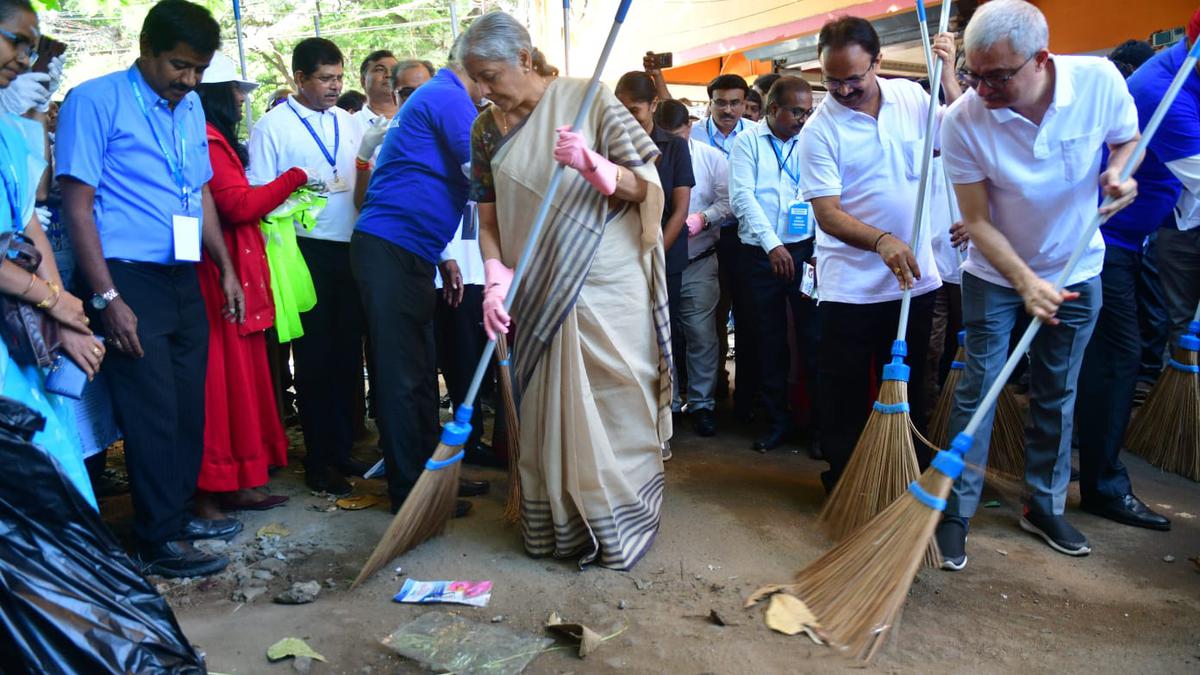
{"type": "Point", "coordinates": [711, 250]}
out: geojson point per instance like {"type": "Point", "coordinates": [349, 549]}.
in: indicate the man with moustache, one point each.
{"type": "Point", "coordinates": [133, 163]}
{"type": "Point", "coordinates": [309, 130]}
{"type": "Point", "coordinates": [860, 159]}
{"type": "Point", "coordinates": [375, 74]}
{"type": "Point", "coordinates": [776, 232]}
{"type": "Point", "coordinates": [1023, 149]}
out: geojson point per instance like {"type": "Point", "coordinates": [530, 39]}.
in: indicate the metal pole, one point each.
{"type": "Point", "coordinates": [237, 22]}
{"type": "Point", "coordinates": [453, 20]}
{"type": "Point", "coordinates": [317, 20]}
{"type": "Point", "coordinates": [566, 37]}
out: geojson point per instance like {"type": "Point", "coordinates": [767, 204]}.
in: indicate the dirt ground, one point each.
{"type": "Point", "coordinates": [732, 520]}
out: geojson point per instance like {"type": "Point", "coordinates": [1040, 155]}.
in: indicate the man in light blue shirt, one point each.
{"type": "Point", "coordinates": [132, 159]}
{"type": "Point", "coordinates": [776, 230]}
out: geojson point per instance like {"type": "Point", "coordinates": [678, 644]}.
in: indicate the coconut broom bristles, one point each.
{"type": "Point", "coordinates": [1166, 431]}
{"type": "Point", "coordinates": [512, 507]}
{"type": "Point", "coordinates": [939, 418]}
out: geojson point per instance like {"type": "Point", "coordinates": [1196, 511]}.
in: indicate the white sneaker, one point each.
{"type": "Point", "coordinates": [666, 451]}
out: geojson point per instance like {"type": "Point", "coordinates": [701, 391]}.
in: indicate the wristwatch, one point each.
{"type": "Point", "coordinates": [101, 300]}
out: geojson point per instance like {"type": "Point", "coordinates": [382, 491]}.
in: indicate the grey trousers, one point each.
{"type": "Point", "coordinates": [1179, 271]}
{"type": "Point", "coordinates": [990, 312]}
{"type": "Point", "coordinates": [697, 306]}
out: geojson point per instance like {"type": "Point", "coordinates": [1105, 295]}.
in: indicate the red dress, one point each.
{"type": "Point", "coordinates": [242, 431]}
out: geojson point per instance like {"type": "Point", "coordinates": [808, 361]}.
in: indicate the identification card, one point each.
{"type": "Point", "coordinates": [187, 238]}
{"type": "Point", "coordinates": [808, 281]}
{"type": "Point", "coordinates": [336, 185]}
{"type": "Point", "coordinates": [800, 219]}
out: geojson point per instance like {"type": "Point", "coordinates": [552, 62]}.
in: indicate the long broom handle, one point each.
{"type": "Point", "coordinates": [567, 37]}
{"type": "Point", "coordinates": [453, 19]}
{"type": "Point", "coordinates": [993, 392]}
{"type": "Point", "coordinates": [539, 221]}
{"type": "Point", "coordinates": [935, 76]}
{"type": "Point", "coordinates": [237, 24]}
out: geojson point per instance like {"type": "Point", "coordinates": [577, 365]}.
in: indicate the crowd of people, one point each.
{"type": "Point", "coordinates": [783, 220]}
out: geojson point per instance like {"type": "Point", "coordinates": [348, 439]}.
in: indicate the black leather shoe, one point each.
{"type": "Point", "coordinates": [461, 508]}
{"type": "Point", "coordinates": [178, 559]}
{"type": "Point", "coordinates": [473, 488]}
{"type": "Point", "coordinates": [353, 467]}
{"type": "Point", "coordinates": [704, 423]}
{"type": "Point", "coordinates": [483, 455]}
{"type": "Point", "coordinates": [198, 528]}
{"type": "Point", "coordinates": [772, 440]}
{"type": "Point", "coordinates": [327, 480]}
{"type": "Point", "coordinates": [1128, 510]}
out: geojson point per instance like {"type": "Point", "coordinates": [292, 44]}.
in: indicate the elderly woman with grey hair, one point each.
{"type": "Point", "coordinates": [591, 351]}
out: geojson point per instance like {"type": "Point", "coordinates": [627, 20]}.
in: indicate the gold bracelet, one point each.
{"type": "Point", "coordinates": [32, 278]}
{"type": "Point", "coordinates": [50, 300]}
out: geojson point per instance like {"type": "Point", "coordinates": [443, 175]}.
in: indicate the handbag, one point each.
{"type": "Point", "coordinates": [31, 335]}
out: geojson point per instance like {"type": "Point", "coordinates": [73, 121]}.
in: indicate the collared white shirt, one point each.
{"type": "Point", "coordinates": [943, 212]}
{"type": "Point", "coordinates": [1042, 179]}
{"type": "Point", "coordinates": [280, 141]}
{"type": "Point", "coordinates": [764, 179]}
{"type": "Point", "coordinates": [706, 131]}
{"type": "Point", "coordinates": [365, 116]}
{"type": "Point", "coordinates": [874, 165]}
{"type": "Point", "coordinates": [710, 195]}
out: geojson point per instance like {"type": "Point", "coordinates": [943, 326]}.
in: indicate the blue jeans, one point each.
{"type": "Point", "coordinates": [990, 312]}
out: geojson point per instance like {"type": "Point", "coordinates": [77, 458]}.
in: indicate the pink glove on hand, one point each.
{"type": "Point", "coordinates": [695, 224]}
{"type": "Point", "coordinates": [572, 151]}
{"type": "Point", "coordinates": [497, 280]}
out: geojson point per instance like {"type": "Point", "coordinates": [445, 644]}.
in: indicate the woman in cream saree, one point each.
{"type": "Point", "coordinates": [591, 348]}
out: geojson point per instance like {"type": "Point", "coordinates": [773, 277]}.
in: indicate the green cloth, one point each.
{"type": "Point", "coordinates": [291, 284]}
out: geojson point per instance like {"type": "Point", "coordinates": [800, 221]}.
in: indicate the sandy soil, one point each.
{"type": "Point", "coordinates": [733, 520]}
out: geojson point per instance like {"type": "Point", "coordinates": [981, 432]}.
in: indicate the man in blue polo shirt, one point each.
{"type": "Point", "coordinates": [396, 245]}
{"type": "Point", "coordinates": [133, 162]}
{"type": "Point", "coordinates": [1110, 365]}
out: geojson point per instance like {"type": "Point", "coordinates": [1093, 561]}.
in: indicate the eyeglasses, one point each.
{"type": "Point", "coordinates": [853, 82]}
{"type": "Point", "coordinates": [330, 79]}
{"type": "Point", "coordinates": [722, 103]}
{"type": "Point", "coordinates": [997, 79]}
{"type": "Point", "coordinates": [20, 42]}
{"type": "Point", "coordinates": [800, 113]}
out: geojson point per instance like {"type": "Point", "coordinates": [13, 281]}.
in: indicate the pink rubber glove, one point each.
{"type": "Point", "coordinates": [572, 151]}
{"type": "Point", "coordinates": [497, 280]}
{"type": "Point", "coordinates": [695, 224]}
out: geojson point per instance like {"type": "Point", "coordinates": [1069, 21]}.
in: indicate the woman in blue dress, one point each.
{"type": "Point", "coordinates": [22, 163]}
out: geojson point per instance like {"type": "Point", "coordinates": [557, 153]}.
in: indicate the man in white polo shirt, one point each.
{"type": "Point", "coordinates": [1023, 150]}
{"type": "Point", "coordinates": [860, 159]}
{"type": "Point", "coordinates": [776, 230]}
{"type": "Point", "coordinates": [309, 130]}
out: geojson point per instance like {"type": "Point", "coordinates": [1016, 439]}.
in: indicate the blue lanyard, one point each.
{"type": "Point", "coordinates": [177, 169]}
{"type": "Point", "coordinates": [712, 136]}
{"type": "Point", "coordinates": [783, 168]}
{"type": "Point", "coordinates": [337, 138]}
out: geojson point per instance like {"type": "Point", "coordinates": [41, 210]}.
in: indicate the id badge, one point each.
{"type": "Point", "coordinates": [800, 219]}
{"type": "Point", "coordinates": [187, 238]}
{"type": "Point", "coordinates": [336, 185]}
{"type": "Point", "coordinates": [808, 281]}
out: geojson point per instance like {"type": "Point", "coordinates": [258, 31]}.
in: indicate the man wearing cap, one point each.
{"type": "Point", "coordinates": [1023, 149]}
{"type": "Point", "coordinates": [132, 159]}
{"type": "Point", "coordinates": [1110, 365]}
{"type": "Point", "coordinates": [308, 129]}
{"type": "Point", "coordinates": [397, 244]}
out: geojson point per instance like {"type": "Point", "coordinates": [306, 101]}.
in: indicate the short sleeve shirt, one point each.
{"type": "Point", "coordinates": [1042, 179]}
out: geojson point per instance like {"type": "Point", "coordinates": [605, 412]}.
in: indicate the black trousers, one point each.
{"type": "Point", "coordinates": [400, 302]}
{"type": "Point", "coordinates": [856, 342]}
{"type": "Point", "coordinates": [460, 339]}
{"type": "Point", "coordinates": [1107, 379]}
{"type": "Point", "coordinates": [769, 299]}
{"type": "Point", "coordinates": [678, 344]}
{"type": "Point", "coordinates": [159, 398]}
{"type": "Point", "coordinates": [734, 295]}
{"type": "Point", "coordinates": [328, 357]}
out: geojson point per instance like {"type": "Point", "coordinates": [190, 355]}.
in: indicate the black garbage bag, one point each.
{"type": "Point", "coordinates": [71, 599]}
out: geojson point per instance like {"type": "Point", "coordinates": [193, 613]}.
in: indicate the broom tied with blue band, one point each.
{"type": "Point", "coordinates": [853, 594]}
{"type": "Point", "coordinates": [430, 503]}
{"type": "Point", "coordinates": [1166, 430]}
{"type": "Point", "coordinates": [884, 460]}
